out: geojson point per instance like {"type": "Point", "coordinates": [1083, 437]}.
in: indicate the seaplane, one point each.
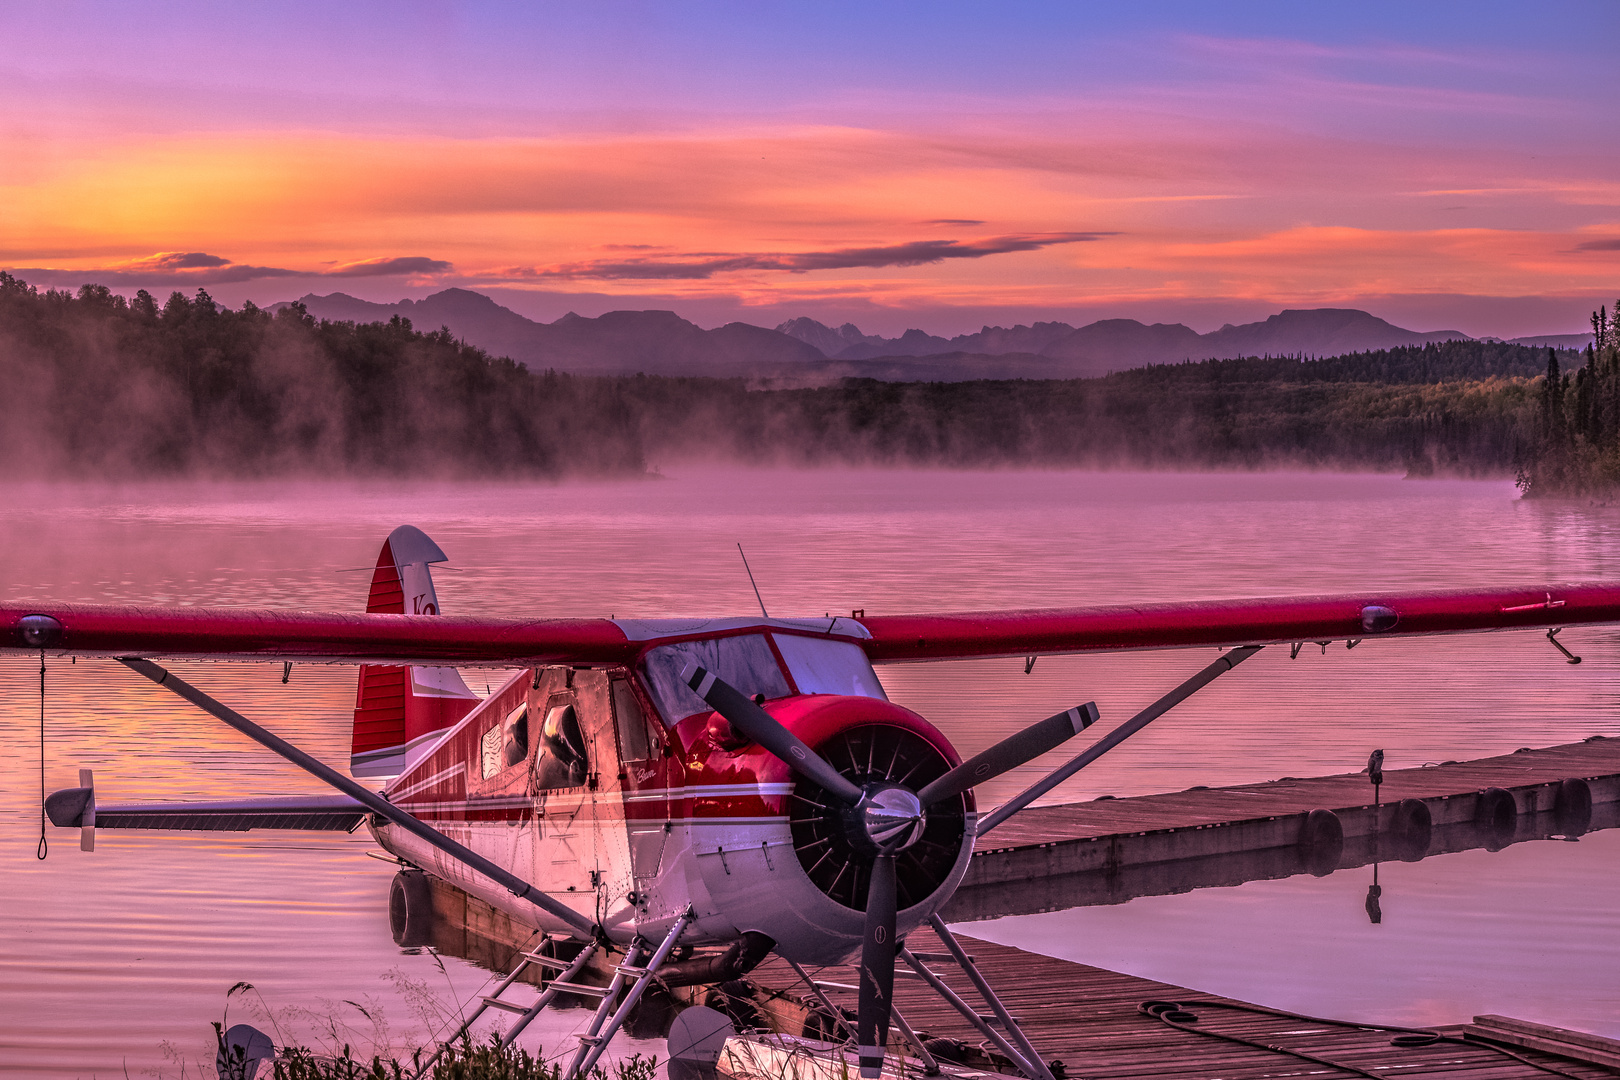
{"type": "Point", "coordinates": [692, 795]}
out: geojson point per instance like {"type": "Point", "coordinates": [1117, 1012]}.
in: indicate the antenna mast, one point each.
{"type": "Point", "coordinates": [754, 583]}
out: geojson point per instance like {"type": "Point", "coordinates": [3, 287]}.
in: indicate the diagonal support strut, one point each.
{"type": "Point", "coordinates": [545, 999]}
{"type": "Point", "coordinates": [1220, 667]}
{"type": "Point", "coordinates": [372, 801]}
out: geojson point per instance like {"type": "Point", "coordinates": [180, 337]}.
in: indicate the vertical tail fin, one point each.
{"type": "Point", "coordinates": [399, 712]}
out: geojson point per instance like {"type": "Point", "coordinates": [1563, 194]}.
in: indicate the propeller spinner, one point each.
{"type": "Point", "coordinates": [881, 819]}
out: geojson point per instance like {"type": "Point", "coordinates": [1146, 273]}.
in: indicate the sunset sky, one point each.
{"type": "Point", "coordinates": [1445, 166]}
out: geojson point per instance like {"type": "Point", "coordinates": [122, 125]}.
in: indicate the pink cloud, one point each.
{"type": "Point", "coordinates": [701, 265]}
{"type": "Point", "coordinates": [390, 267]}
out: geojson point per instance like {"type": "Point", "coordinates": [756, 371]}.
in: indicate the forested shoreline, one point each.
{"type": "Point", "coordinates": [1576, 451]}
{"type": "Point", "coordinates": [102, 387]}
{"type": "Point", "coordinates": [97, 386]}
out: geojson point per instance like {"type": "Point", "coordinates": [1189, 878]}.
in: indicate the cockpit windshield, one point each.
{"type": "Point", "coordinates": [817, 665]}
{"type": "Point", "coordinates": [823, 666]}
{"type": "Point", "coordinates": [745, 662]}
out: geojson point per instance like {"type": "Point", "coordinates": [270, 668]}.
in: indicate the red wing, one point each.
{"type": "Point", "coordinates": [318, 636]}
{"type": "Point", "coordinates": [1234, 622]}
{"type": "Point", "coordinates": [405, 639]}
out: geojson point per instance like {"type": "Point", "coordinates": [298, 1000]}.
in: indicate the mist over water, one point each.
{"type": "Point", "coordinates": [105, 957]}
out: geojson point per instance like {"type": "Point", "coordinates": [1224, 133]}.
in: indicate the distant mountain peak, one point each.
{"type": "Point", "coordinates": [822, 337]}
{"type": "Point", "coordinates": [466, 296]}
{"type": "Point", "coordinates": [616, 342]}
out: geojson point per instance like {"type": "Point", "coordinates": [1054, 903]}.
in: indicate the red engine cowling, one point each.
{"type": "Point", "coordinates": [772, 851]}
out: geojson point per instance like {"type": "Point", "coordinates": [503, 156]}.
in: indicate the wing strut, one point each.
{"type": "Point", "coordinates": [1226, 663]}
{"type": "Point", "coordinates": [372, 801]}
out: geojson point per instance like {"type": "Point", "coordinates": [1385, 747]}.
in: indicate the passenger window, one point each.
{"type": "Point", "coordinates": [507, 743]}
{"type": "Point", "coordinates": [516, 735]}
{"type": "Point", "coordinates": [563, 761]}
{"type": "Point", "coordinates": [746, 662]}
{"type": "Point", "coordinates": [635, 742]}
{"type": "Point", "coordinates": [490, 750]}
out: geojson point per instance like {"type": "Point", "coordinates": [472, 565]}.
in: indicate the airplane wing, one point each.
{"type": "Point", "coordinates": [1235, 622]}
{"type": "Point", "coordinates": [230, 634]}
{"type": "Point", "coordinates": [309, 637]}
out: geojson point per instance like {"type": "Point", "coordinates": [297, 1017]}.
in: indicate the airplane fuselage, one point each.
{"type": "Point", "coordinates": [625, 800]}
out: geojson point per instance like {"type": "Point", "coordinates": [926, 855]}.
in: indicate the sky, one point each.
{"type": "Point", "coordinates": [941, 165]}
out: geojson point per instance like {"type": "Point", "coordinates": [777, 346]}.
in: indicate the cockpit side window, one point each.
{"type": "Point", "coordinates": [824, 666]}
{"type": "Point", "coordinates": [636, 741]}
{"type": "Point", "coordinates": [746, 662]}
{"type": "Point", "coordinates": [564, 759]}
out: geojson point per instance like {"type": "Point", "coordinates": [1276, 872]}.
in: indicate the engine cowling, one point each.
{"type": "Point", "coordinates": [790, 864]}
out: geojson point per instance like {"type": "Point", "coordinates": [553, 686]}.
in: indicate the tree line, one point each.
{"type": "Point", "coordinates": [100, 386]}
{"type": "Point", "coordinates": [1576, 451]}
{"type": "Point", "coordinates": [104, 387]}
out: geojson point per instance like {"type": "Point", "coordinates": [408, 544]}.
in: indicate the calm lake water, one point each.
{"type": "Point", "coordinates": [119, 959]}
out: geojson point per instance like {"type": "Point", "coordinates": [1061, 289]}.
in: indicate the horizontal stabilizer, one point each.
{"type": "Point", "coordinates": [321, 813]}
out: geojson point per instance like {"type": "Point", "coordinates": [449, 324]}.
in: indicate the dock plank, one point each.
{"type": "Point", "coordinates": [1088, 1018]}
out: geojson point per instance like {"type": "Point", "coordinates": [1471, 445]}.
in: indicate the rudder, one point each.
{"type": "Point", "coordinates": [399, 712]}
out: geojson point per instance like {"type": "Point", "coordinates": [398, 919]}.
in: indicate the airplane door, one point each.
{"type": "Point", "coordinates": [561, 772]}
{"type": "Point", "coordinates": [645, 775]}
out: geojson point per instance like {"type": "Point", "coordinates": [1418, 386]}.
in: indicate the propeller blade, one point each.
{"type": "Point", "coordinates": [764, 729]}
{"type": "Point", "coordinates": [1011, 752]}
{"type": "Point", "coordinates": [877, 968]}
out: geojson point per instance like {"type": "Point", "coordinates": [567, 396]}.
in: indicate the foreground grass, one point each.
{"type": "Point", "coordinates": [467, 1061]}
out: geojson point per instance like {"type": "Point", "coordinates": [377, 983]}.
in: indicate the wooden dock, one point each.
{"type": "Point", "coordinates": [1091, 1020]}
{"type": "Point", "coordinates": [1112, 850]}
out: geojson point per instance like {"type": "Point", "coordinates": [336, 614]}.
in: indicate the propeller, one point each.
{"type": "Point", "coordinates": [877, 968]}
{"type": "Point", "coordinates": [880, 820]}
{"type": "Point", "coordinates": [1011, 752]}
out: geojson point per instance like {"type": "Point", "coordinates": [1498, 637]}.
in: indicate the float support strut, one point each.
{"type": "Point", "coordinates": [1008, 1024]}
{"type": "Point", "coordinates": [969, 1014]}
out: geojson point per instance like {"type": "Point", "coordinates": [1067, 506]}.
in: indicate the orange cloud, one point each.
{"type": "Point", "coordinates": [813, 212]}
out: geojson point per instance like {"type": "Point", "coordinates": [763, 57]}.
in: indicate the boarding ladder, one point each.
{"type": "Point", "coordinates": [603, 1025]}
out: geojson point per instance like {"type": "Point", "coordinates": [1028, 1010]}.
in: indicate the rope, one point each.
{"type": "Point", "coordinates": [44, 848]}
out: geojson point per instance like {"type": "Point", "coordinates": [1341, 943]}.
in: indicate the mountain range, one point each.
{"type": "Point", "coordinates": [617, 343]}
{"type": "Point", "coordinates": [1111, 344]}
{"type": "Point", "coordinates": [804, 350]}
